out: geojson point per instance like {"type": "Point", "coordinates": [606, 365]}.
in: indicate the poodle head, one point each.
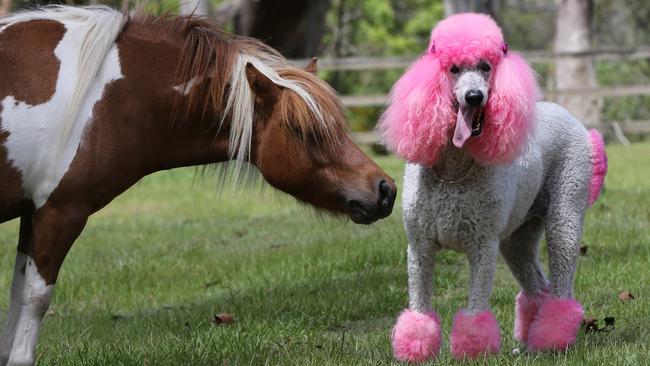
{"type": "Point", "coordinates": [468, 89]}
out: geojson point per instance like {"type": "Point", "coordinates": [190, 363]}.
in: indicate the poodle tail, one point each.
{"type": "Point", "coordinates": [599, 164]}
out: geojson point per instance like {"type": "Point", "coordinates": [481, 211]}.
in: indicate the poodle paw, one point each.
{"type": "Point", "coordinates": [556, 324]}
{"type": "Point", "coordinates": [416, 337]}
{"type": "Point", "coordinates": [474, 335]}
{"type": "Point", "coordinates": [526, 308]}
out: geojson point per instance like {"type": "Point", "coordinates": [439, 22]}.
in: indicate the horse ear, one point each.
{"type": "Point", "coordinates": [419, 116]}
{"type": "Point", "coordinates": [509, 113]}
{"type": "Point", "coordinates": [312, 67]}
{"type": "Point", "coordinates": [262, 86]}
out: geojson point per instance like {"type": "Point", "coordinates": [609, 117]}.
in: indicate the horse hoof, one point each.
{"type": "Point", "coordinates": [474, 335]}
{"type": "Point", "coordinates": [416, 336]}
{"type": "Point", "coordinates": [555, 326]}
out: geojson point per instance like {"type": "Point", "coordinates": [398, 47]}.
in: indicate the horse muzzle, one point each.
{"type": "Point", "coordinates": [367, 211]}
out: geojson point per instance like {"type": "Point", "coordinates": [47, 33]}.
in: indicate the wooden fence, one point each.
{"type": "Point", "coordinates": [617, 128]}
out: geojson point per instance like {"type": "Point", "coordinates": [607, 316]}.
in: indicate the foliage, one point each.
{"type": "Point", "coordinates": [147, 276]}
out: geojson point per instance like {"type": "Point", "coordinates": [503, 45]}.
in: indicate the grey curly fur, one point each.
{"type": "Point", "coordinates": [502, 209]}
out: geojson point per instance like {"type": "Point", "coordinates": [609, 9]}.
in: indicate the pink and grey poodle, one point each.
{"type": "Point", "coordinates": [490, 169]}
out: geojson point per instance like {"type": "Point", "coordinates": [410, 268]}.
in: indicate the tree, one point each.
{"type": "Point", "coordinates": [475, 6]}
{"type": "Point", "coordinates": [196, 7]}
{"type": "Point", "coordinates": [5, 7]}
{"type": "Point", "coordinates": [294, 27]}
{"type": "Point", "coordinates": [573, 34]}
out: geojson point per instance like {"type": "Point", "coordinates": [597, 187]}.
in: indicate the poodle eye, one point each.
{"type": "Point", "coordinates": [454, 69]}
{"type": "Point", "coordinates": [485, 67]}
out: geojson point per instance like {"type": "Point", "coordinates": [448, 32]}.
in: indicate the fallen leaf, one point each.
{"type": "Point", "coordinates": [223, 319]}
{"type": "Point", "coordinates": [626, 296]}
{"type": "Point", "coordinates": [584, 249]}
{"type": "Point", "coordinates": [590, 324]}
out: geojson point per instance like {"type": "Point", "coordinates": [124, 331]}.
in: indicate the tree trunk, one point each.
{"type": "Point", "coordinates": [5, 7]}
{"type": "Point", "coordinates": [474, 6]}
{"type": "Point", "coordinates": [573, 34]}
{"type": "Point", "coordinates": [293, 27]}
{"type": "Point", "coordinates": [194, 7]}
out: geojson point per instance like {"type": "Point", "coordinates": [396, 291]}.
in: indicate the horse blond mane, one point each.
{"type": "Point", "coordinates": [220, 59]}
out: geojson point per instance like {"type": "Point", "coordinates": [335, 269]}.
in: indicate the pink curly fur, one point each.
{"type": "Point", "coordinates": [417, 123]}
{"type": "Point", "coordinates": [599, 163]}
{"type": "Point", "coordinates": [556, 324]}
{"type": "Point", "coordinates": [474, 335]}
{"type": "Point", "coordinates": [526, 308]}
{"type": "Point", "coordinates": [416, 337]}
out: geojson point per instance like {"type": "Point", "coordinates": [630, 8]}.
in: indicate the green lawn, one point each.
{"type": "Point", "coordinates": [150, 271]}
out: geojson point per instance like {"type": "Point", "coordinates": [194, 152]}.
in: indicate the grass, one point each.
{"type": "Point", "coordinates": [150, 271]}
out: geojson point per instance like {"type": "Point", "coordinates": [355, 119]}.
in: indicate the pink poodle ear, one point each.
{"type": "Point", "coordinates": [416, 123]}
{"type": "Point", "coordinates": [509, 113]}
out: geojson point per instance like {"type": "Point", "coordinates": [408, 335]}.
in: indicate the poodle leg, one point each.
{"type": "Point", "coordinates": [475, 331]}
{"type": "Point", "coordinates": [520, 251]}
{"type": "Point", "coordinates": [559, 316]}
{"type": "Point", "coordinates": [416, 335]}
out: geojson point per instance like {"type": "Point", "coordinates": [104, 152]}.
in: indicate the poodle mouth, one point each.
{"type": "Point", "coordinates": [477, 124]}
{"type": "Point", "coordinates": [469, 123]}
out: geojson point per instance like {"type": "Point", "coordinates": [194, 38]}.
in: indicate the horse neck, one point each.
{"type": "Point", "coordinates": [180, 139]}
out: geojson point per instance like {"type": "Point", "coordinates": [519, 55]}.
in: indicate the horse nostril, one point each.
{"type": "Point", "coordinates": [474, 97]}
{"type": "Point", "coordinates": [384, 189]}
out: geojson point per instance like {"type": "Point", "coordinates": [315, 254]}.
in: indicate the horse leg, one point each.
{"type": "Point", "coordinates": [416, 336]}
{"type": "Point", "coordinates": [7, 335]}
{"type": "Point", "coordinates": [475, 331]}
{"type": "Point", "coordinates": [520, 251]}
{"type": "Point", "coordinates": [559, 317]}
{"type": "Point", "coordinates": [54, 229]}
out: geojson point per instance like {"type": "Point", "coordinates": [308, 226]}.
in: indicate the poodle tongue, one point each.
{"type": "Point", "coordinates": [464, 122]}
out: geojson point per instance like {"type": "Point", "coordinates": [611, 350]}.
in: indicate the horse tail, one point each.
{"type": "Point", "coordinates": [598, 163]}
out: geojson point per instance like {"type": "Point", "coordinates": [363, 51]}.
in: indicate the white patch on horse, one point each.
{"type": "Point", "coordinates": [185, 88]}
{"type": "Point", "coordinates": [9, 328]}
{"type": "Point", "coordinates": [43, 139]}
{"type": "Point", "coordinates": [35, 300]}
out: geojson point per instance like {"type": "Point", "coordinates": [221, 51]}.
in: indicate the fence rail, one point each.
{"type": "Point", "coordinates": [618, 128]}
{"type": "Point", "coordinates": [539, 56]}
{"type": "Point", "coordinates": [356, 101]}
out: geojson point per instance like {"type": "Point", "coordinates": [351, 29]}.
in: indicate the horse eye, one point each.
{"type": "Point", "coordinates": [454, 69]}
{"type": "Point", "coordinates": [485, 67]}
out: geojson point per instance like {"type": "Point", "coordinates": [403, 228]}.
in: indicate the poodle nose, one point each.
{"type": "Point", "coordinates": [474, 97]}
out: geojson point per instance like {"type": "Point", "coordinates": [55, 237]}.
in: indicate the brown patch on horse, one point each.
{"type": "Point", "coordinates": [29, 65]}
{"type": "Point", "coordinates": [29, 73]}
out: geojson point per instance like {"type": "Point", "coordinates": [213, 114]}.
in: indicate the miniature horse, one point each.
{"type": "Point", "coordinates": [93, 100]}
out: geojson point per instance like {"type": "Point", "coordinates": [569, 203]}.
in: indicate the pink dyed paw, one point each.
{"type": "Point", "coordinates": [556, 324]}
{"type": "Point", "coordinates": [525, 310]}
{"type": "Point", "coordinates": [474, 335]}
{"type": "Point", "coordinates": [416, 336]}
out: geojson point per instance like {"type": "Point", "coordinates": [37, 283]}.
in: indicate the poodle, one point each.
{"type": "Point", "coordinates": [490, 168]}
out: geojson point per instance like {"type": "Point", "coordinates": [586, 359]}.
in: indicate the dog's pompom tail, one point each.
{"type": "Point", "coordinates": [598, 163]}
{"type": "Point", "coordinates": [416, 124]}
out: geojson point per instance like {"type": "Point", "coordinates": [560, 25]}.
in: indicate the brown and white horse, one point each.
{"type": "Point", "coordinates": [92, 100]}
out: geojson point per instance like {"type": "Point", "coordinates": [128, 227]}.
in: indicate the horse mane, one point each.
{"type": "Point", "coordinates": [219, 58]}
{"type": "Point", "coordinates": [210, 54]}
